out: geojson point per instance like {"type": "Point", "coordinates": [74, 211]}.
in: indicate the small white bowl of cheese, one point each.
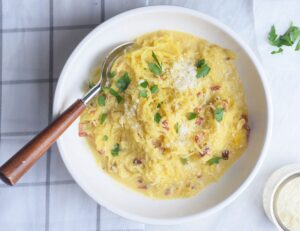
{"type": "Point", "coordinates": [281, 198]}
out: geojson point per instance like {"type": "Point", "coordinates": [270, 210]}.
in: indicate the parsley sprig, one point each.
{"type": "Point", "coordinates": [115, 150]}
{"type": "Point", "coordinates": [214, 160]}
{"type": "Point", "coordinates": [287, 39]}
{"type": "Point", "coordinates": [123, 82]}
{"type": "Point", "coordinates": [156, 68]}
{"type": "Point", "coordinates": [202, 69]}
{"type": "Point", "coordinates": [218, 114]}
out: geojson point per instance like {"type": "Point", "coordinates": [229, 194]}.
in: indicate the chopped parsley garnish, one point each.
{"type": "Point", "coordinates": [218, 114]}
{"type": "Point", "coordinates": [103, 118]}
{"type": "Point", "coordinates": [116, 149]}
{"type": "Point", "coordinates": [184, 161]}
{"type": "Point", "coordinates": [123, 82]}
{"type": "Point", "coordinates": [191, 115]}
{"type": "Point", "coordinates": [115, 94]}
{"type": "Point", "coordinates": [214, 160]}
{"type": "Point", "coordinates": [91, 84]}
{"type": "Point", "coordinates": [111, 74]}
{"type": "Point", "coordinates": [287, 39]}
{"type": "Point", "coordinates": [154, 89]}
{"type": "Point", "coordinates": [105, 138]}
{"type": "Point", "coordinates": [202, 69]}
{"type": "Point", "coordinates": [177, 127]}
{"type": "Point", "coordinates": [297, 48]}
{"type": "Point", "coordinates": [143, 93]}
{"type": "Point", "coordinates": [280, 50]}
{"type": "Point", "coordinates": [144, 84]}
{"type": "Point", "coordinates": [158, 105]}
{"type": "Point", "coordinates": [157, 117]}
{"type": "Point", "coordinates": [101, 100]}
{"type": "Point", "coordinates": [156, 67]}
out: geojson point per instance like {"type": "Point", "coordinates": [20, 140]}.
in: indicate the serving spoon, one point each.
{"type": "Point", "coordinates": [24, 159]}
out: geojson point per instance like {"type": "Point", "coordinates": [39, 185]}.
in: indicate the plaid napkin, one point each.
{"type": "Point", "coordinates": [36, 38]}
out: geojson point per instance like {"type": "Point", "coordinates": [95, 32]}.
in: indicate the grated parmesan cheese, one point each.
{"type": "Point", "coordinates": [183, 132]}
{"type": "Point", "coordinates": [184, 75]}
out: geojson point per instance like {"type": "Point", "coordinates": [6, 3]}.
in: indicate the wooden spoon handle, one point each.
{"type": "Point", "coordinates": [21, 162]}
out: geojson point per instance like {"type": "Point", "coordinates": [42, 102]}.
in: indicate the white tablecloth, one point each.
{"type": "Point", "coordinates": [36, 38]}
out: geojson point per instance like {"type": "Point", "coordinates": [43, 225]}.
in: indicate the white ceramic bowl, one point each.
{"type": "Point", "coordinates": [113, 195]}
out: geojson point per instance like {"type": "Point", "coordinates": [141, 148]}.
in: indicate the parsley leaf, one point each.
{"type": "Point", "coordinates": [115, 94]}
{"type": "Point", "coordinates": [156, 59]}
{"type": "Point", "coordinates": [123, 82]}
{"type": "Point", "coordinates": [144, 84]}
{"type": "Point", "coordinates": [103, 118]}
{"type": "Point", "coordinates": [280, 50]}
{"type": "Point", "coordinates": [290, 36]}
{"type": "Point", "coordinates": [218, 114]}
{"type": "Point", "coordinates": [177, 127]}
{"type": "Point", "coordinates": [158, 105]}
{"type": "Point", "coordinates": [184, 161]}
{"type": "Point", "coordinates": [192, 115]}
{"type": "Point", "coordinates": [116, 149]}
{"type": "Point", "coordinates": [105, 138]}
{"type": "Point", "coordinates": [214, 160]}
{"type": "Point", "coordinates": [111, 74]}
{"type": "Point", "coordinates": [101, 100]}
{"type": "Point", "coordinates": [287, 39]}
{"type": "Point", "coordinates": [143, 93]}
{"type": "Point", "coordinates": [91, 84]}
{"type": "Point", "coordinates": [156, 67]}
{"type": "Point", "coordinates": [157, 117]}
{"type": "Point", "coordinates": [154, 89]}
{"type": "Point", "coordinates": [200, 62]}
{"type": "Point", "coordinates": [272, 36]}
{"type": "Point", "coordinates": [202, 69]}
{"type": "Point", "coordinates": [297, 48]}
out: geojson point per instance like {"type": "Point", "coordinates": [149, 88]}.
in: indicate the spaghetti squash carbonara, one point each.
{"type": "Point", "coordinates": [174, 118]}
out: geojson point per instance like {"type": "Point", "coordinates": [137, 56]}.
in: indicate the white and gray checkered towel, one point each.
{"type": "Point", "coordinates": [36, 38]}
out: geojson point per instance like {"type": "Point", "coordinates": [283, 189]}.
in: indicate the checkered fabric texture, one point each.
{"type": "Point", "coordinates": [37, 36]}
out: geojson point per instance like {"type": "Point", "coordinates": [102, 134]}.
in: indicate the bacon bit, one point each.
{"type": "Point", "coordinates": [167, 191]}
{"type": "Point", "coordinates": [199, 121]}
{"type": "Point", "coordinates": [137, 161]}
{"type": "Point", "coordinates": [199, 109]}
{"type": "Point", "coordinates": [215, 88]}
{"type": "Point", "coordinates": [245, 117]}
{"type": "Point", "coordinates": [141, 184]}
{"type": "Point", "coordinates": [204, 152]}
{"type": "Point", "coordinates": [101, 152]}
{"type": "Point", "coordinates": [225, 155]}
{"type": "Point", "coordinates": [94, 123]}
{"type": "Point", "coordinates": [199, 94]}
{"type": "Point", "coordinates": [248, 130]}
{"type": "Point", "coordinates": [199, 176]}
{"type": "Point", "coordinates": [165, 125]}
{"type": "Point", "coordinates": [246, 126]}
{"type": "Point", "coordinates": [156, 143]}
{"type": "Point", "coordinates": [113, 168]}
{"type": "Point", "coordinates": [225, 104]}
{"type": "Point", "coordinates": [82, 133]}
{"type": "Point", "coordinates": [198, 138]}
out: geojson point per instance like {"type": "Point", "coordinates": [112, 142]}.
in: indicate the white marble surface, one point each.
{"type": "Point", "coordinates": [26, 57]}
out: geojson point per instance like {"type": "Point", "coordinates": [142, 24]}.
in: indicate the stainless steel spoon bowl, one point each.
{"type": "Point", "coordinates": [23, 160]}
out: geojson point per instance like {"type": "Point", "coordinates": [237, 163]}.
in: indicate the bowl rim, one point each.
{"type": "Point", "coordinates": [262, 76]}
